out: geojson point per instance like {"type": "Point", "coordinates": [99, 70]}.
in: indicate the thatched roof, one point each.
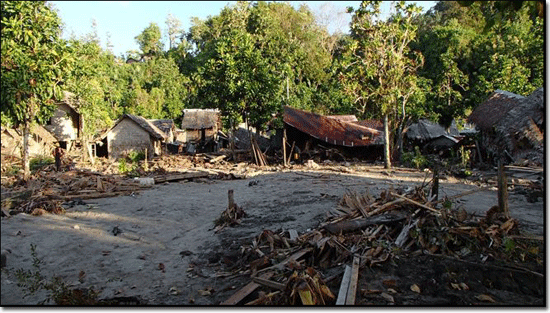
{"type": "Point", "coordinates": [145, 124]}
{"type": "Point", "coordinates": [200, 118]}
{"type": "Point", "coordinates": [488, 113]}
{"type": "Point", "coordinates": [164, 125]}
{"type": "Point", "coordinates": [523, 123]}
{"type": "Point", "coordinates": [428, 130]}
{"type": "Point", "coordinates": [43, 133]}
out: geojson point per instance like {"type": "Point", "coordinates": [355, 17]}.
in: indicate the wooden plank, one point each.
{"type": "Point", "coordinates": [502, 190]}
{"type": "Point", "coordinates": [352, 289]}
{"type": "Point", "coordinates": [176, 177]}
{"type": "Point", "coordinates": [344, 286]}
{"type": "Point", "coordinates": [293, 234]}
{"type": "Point", "coordinates": [294, 257]}
{"type": "Point", "coordinates": [245, 291]}
{"type": "Point", "coordinates": [268, 283]}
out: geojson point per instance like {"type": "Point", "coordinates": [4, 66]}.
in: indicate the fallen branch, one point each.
{"type": "Point", "coordinates": [415, 203]}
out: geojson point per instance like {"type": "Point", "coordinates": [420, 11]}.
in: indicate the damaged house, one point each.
{"type": "Point", "coordinates": [307, 130]}
{"type": "Point", "coordinates": [201, 128]}
{"type": "Point", "coordinates": [432, 137]}
{"type": "Point", "coordinates": [132, 133]}
{"type": "Point", "coordinates": [66, 122]}
{"type": "Point", "coordinates": [41, 142]}
{"type": "Point", "coordinates": [512, 126]}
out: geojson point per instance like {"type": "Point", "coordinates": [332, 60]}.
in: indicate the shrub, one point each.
{"type": "Point", "coordinates": [39, 162]}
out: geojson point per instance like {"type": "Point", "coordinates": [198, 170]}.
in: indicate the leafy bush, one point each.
{"type": "Point", "coordinates": [415, 159]}
{"type": "Point", "coordinates": [32, 281]}
{"type": "Point", "coordinates": [39, 162]}
{"type": "Point", "coordinates": [135, 156]}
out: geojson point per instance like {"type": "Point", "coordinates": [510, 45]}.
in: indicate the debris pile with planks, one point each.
{"type": "Point", "coordinates": [367, 231]}
{"type": "Point", "coordinates": [49, 191]}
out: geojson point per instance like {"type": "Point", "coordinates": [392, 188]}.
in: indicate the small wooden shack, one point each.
{"type": "Point", "coordinates": [66, 122]}
{"type": "Point", "coordinates": [133, 133]}
{"type": "Point", "coordinates": [201, 128]}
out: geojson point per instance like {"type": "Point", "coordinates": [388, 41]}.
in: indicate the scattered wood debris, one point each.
{"type": "Point", "coordinates": [366, 231]}
{"type": "Point", "coordinates": [232, 215]}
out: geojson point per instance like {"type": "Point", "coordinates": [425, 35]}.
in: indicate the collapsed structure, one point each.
{"type": "Point", "coordinates": [512, 125]}
{"type": "Point", "coordinates": [306, 130]}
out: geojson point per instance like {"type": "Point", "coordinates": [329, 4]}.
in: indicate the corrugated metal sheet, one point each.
{"type": "Point", "coordinates": [345, 118]}
{"type": "Point", "coordinates": [374, 124]}
{"type": "Point", "coordinates": [428, 130]}
{"type": "Point", "coordinates": [331, 130]}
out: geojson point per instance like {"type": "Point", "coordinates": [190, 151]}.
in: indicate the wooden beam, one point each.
{"type": "Point", "coordinates": [268, 283]}
{"type": "Point", "coordinates": [245, 291]}
{"type": "Point", "coordinates": [352, 289]}
{"type": "Point", "coordinates": [344, 286]}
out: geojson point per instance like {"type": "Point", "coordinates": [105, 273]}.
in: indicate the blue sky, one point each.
{"type": "Point", "coordinates": [124, 20]}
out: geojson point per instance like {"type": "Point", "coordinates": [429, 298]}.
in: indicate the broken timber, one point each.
{"type": "Point", "coordinates": [245, 291]}
{"type": "Point", "coordinates": [352, 225]}
{"type": "Point", "coordinates": [177, 177]}
{"type": "Point", "coordinates": [348, 287]}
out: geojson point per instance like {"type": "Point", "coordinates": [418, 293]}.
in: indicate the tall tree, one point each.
{"type": "Point", "coordinates": [173, 30]}
{"type": "Point", "coordinates": [380, 70]}
{"type": "Point", "coordinates": [34, 60]}
{"type": "Point", "coordinates": [149, 40]}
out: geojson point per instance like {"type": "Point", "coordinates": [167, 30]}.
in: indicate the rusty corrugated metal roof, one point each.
{"type": "Point", "coordinates": [374, 124]}
{"type": "Point", "coordinates": [331, 130]}
{"type": "Point", "coordinates": [345, 118]}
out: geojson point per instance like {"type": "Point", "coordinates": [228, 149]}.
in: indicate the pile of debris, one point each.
{"type": "Point", "coordinates": [47, 189]}
{"type": "Point", "coordinates": [367, 231]}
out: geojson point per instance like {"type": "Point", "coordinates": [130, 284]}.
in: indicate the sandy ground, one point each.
{"type": "Point", "coordinates": [120, 242]}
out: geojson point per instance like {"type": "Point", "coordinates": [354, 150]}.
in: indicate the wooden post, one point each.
{"type": "Point", "coordinates": [231, 200]}
{"type": "Point", "coordinates": [284, 147]}
{"type": "Point", "coordinates": [146, 163]}
{"type": "Point", "coordinates": [502, 190]}
{"type": "Point", "coordinates": [479, 152]}
{"type": "Point", "coordinates": [435, 186]}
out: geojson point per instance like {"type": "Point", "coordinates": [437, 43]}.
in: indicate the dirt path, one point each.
{"type": "Point", "coordinates": [119, 243]}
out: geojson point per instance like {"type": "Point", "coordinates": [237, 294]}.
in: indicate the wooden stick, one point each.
{"type": "Point", "coordinates": [352, 289]}
{"type": "Point", "coordinates": [268, 283]}
{"type": "Point", "coordinates": [384, 207]}
{"type": "Point", "coordinates": [344, 286]}
{"type": "Point", "coordinates": [502, 190]}
{"type": "Point", "coordinates": [415, 203]}
{"type": "Point", "coordinates": [284, 147]}
{"type": "Point", "coordinates": [245, 291]}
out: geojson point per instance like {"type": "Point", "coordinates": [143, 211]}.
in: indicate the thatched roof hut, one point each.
{"type": "Point", "coordinates": [521, 129]}
{"type": "Point", "coordinates": [512, 124]}
{"type": "Point", "coordinates": [488, 113]}
{"type": "Point", "coordinates": [201, 119]}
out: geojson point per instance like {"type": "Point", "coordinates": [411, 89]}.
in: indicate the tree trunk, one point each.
{"type": "Point", "coordinates": [387, 159]}
{"type": "Point", "coordinates": [26, 163]}
{"type": "Point", "coordinates": [400, 142]}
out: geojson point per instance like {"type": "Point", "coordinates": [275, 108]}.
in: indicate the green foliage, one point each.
{"type": "Point", "coordinates": [32, 281]}
{"type": "Point", "coordinates": [136, 156]}
{"type": "Point", "coordinates": [415, 159]}
{"type": "Point", "coordinates": [34, 63]}
{"type": "Point", "coordinates": [149, 39]}
{"type": "Point", "coordinates": [40, 161]}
